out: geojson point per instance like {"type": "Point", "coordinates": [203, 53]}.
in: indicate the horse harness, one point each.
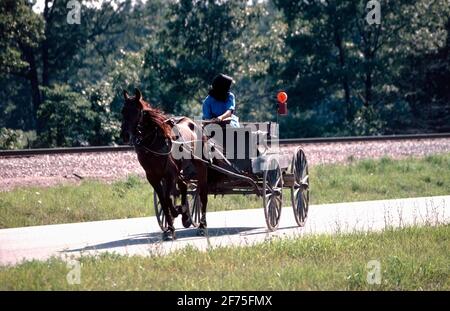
{"type": "Point", "coordinates": [149, 142]}
{"type": "Point", "coordinates": [139, 141]}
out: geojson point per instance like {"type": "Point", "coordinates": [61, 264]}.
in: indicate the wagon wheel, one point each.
{"type": "Point", "coordinates": [162, 222]}
{"type": "Point", "coordinates": [273, 198]}
{"type": "Point", "coordinates": [193, 201]}
{"type": "Point", "coordinates": [300, 189]}
{"type": "Point", "coordinates": [195, 207]}
{"type": "Point", "coordinates": [159, 212]}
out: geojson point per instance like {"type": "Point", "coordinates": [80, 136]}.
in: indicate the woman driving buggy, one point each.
{"type": "Point", "coordinates": [219, 106]}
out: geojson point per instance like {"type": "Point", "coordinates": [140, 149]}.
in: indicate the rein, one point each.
{"type": "Point", "coordinates": [139, 143]}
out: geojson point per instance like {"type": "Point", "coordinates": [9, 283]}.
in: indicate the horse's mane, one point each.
{"type": "Point", "coordinates": [157, 117]}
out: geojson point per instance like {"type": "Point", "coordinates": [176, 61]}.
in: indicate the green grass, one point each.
{"type": "Point", "coordinates": [381, 179]}
{"type": "Point", "coordinates": [357, 181]}
{"type": "Point", "coordinates": [410, 259]}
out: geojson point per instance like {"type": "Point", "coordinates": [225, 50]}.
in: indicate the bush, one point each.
{"type": "Point", "coordinates": [15, 139]}
{"type": "Point", "coordinates": [368, 122]}
{"type": "Point", "coordinates": [106, 123]}
{"type": "Point", "coordinates": [324, 120]}
{"type": "Point", "coordinates": [398, 117]}
{"type": "Point", "coordinates": [66, 117]}
{"type": "Point", "coordinates": [74, 119]}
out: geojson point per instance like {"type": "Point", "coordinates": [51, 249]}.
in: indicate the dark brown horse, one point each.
{"type": "Point", "coordinates": [152, 134]}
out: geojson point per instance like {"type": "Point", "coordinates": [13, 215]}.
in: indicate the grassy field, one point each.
{"type": "Point", "coordinates": [410, 259]}
{"type": "Point", "coordinates": [357, 181]}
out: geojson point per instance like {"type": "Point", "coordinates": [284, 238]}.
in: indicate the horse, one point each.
{"type": "Point", "coordinates": [151, 132]}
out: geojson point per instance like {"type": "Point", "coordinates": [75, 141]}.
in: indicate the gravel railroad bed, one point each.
{"type": "Point", "coordinates": [49, 170]}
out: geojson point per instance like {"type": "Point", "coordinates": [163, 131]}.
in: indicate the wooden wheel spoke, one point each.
{"type": "Point", "coordinates": [274, 212]}
{"type": "Point", "coordinates": [299, 199]}
{"type": "Point", "coordinates": [195, 207]}
{"type": "Point", "coordinates": [305, 180]}
{"type": "Point", "coordinates": [275, 206]}
{"type": "Point", "coordinates": [273, 186]}
{"type": "Point", "coordinates": [274, 217]}
{"type": "Point", "coordinates": [306, 202]}
{"type": "Point", "coordinates": [300, 188]}
{"type": "Point", "coordinates": [270, 212]}
{"type": "Point", "coordinates": [278, 181]}
{"type": "Point", "coordinates": [159, 212]}
{"type": "Point", "coordinates": [280, 202]}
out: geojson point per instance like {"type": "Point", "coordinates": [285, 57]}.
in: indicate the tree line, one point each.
{"type": "Point", "coordinates": [61, 82]}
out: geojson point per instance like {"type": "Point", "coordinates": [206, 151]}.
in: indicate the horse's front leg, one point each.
{"type": "Point", "coordinates": [164, 197]}
{"type": "Point", "coordinates": [170, 189]}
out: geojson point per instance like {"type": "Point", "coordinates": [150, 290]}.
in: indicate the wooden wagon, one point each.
{"type": "Point", "coordinates": [263, 171]}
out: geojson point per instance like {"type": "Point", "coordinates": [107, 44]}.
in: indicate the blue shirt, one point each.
{"type": "Point", "coordinates": [212, 108]}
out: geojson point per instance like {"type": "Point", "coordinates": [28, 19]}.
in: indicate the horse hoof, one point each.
{"type": "Point", "coordinates": [186, 220]}
{"type": "Point", "coordinates": [168, 236]}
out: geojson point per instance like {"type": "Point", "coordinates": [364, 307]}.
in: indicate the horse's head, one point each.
{"type": "Point", "coordinates": [131, 112]}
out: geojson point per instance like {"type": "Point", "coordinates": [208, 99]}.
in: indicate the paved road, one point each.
{"type": "Point", "coordinates": [142, 236]}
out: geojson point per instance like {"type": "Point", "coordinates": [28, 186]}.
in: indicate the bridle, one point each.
{"type": "Point", "coordinates": [147, 141]}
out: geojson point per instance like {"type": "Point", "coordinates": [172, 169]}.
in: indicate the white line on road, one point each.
{"type": "Point", "coordinates": [142, 236]}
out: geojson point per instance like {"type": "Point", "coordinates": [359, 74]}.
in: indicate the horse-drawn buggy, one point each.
{"type": "Point", "coordinates": [244, 160]}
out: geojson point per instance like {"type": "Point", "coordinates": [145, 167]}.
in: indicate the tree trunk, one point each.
{"type": "Point", "coordinates": [45, 47]}
{"type": "Point", "coordinates": [34, 83]}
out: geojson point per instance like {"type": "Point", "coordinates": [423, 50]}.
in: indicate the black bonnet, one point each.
{"type": "Point", "coordinates": [220, 87]}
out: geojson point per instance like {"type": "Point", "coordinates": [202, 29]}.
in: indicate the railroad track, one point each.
{"type": "Point", "coordinates": [287, 141]}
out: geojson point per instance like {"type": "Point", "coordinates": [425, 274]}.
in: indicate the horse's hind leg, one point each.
{"type": "Point", "coordinates": [186, 216]}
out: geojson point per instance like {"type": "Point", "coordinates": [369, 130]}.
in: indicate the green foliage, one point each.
{"type": "Point", "coordinates": [68, 118]}
{"type": "Point", "coordinates": [74, 119]}
{"type": "Point", "coordinates": [191, 49]}
{"type": "Point", "coordinates": [20, 28]}
{"type": "Point", "coordinates": [105, 122]}
{"type": "Point", "coordinates": [343, 76]}
{"type": "Point", "coordinates": [15, 139]}
{"type": "Point", "coordinates": [367, 122]}
{"type": "Point", "coordinates": [359, 70]}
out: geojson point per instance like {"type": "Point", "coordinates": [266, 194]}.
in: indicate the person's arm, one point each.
{"type": "Point", "coordinates": [206, 109]}
{"type": "Point", "coordinates": [227, 114]}
{"type": "Point", "coordinates": [230, 108]}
